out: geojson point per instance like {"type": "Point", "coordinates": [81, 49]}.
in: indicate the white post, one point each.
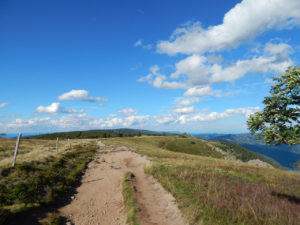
{"type": "Point", "coordinates": [16, 150]}
{"type": "Point", "coordinates": [56, 144]}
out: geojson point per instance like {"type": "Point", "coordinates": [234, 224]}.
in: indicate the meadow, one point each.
{"type": "Point", "coordinates": [210, 190]}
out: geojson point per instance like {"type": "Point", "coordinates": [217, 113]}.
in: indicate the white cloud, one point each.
{"type": "Point", "coordinates": [54, 109]}
{"type": "Point", "coordinates": [72, 121]}
{"type": "Point", "coordinates": [196, 74]}
{"type": "Point", "coordinates": [200, 117]}
{"type": "Point", "coordinates": [159, 81]}
{"type": "Point", "coordinates": [3, 104]}
{"type": "Point", "coordinates": [180, 116]}
{"type": "Point", "coordinates": [81, 95]}
{"type": "Point", "coordinates": [144, 46]}
{"type": "Point", "coordinates": [138, 43]}
{"type": "Point", "coordinates": [199, 91]}
{"type": "Point", "coordinates": [127, 112]}
{"type": "Point", "coordinates": [135, 120]}
{"type": "Point", "coordinates": [165, 119]}
{"type": "Point", "coordinates": [21, 123]}
{"type": "Point", "coordinates": [187, 101]}
{"type": "Point", "coordinates": [109, 122]}
{"type": "Point", "coordinates": [246, 20]}
{"type": "Point", "coordinates": [274, 59]}
{"type": "Point", "coordinates": [184, 110]}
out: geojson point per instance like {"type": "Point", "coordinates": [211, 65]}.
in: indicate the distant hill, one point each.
{"type": "Point", "coordinates": [287, 156]}
{"type": "Point", "coordinates": [122, 132]}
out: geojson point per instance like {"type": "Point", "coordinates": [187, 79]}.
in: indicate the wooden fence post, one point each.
{"type": "Point", "coordinates": [16, 150]}
{"type": "Point", "coordinates": [56, 144]}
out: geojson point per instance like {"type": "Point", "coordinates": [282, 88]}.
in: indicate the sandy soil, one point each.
{"type": "Point", "coordinates": [99, 199]}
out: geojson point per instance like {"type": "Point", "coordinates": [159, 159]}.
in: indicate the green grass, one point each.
{"type": "Point", "coordinates": [189, 145]}
{"type": "Point", "coordinates": [52, 219]}
{"type": "Point", "coordinates": [35, 183]}
{"type": "Point", "coordinates": [129, 200]}
{"type": "Point", "coordinates": [211, 190]}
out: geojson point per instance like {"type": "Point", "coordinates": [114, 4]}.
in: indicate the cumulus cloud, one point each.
{"type": "Point", "coordinates": [135, 120]}
{"type": "Point", "coordinates": [187, 101]}
{"type": "Point", "coordinates": [184, 110]}
{"type": "Point", "coordinates": [3, 104]}
{"type": "Point", "coordinates": [72, 121]}
{"type": "Point", "coordinates": [127, 112]}
{"type": "Point", "coordinates": [159, 80]}
{"type": "Point", "coordinates": [54, 109]}
{"type": "Point", "coordinates": [199, 91]}
{"type": "Point", "coordinates": [108, 122]}
{"type": "Point", "coordinates": [275, 58]}
{"type": "Point", "coordinates": [22, 123]}
{"type": "Point", "coordinates": [244, 21]}
{"type": "Point", "coordinates": [81, 95]}
{"type": "Point", "coordinates": [165, 119]}
{"type": "Point", "coordinates": [183, 115]}
{"type": "Point", "coordinates": [195, 74]}
{"type": "Point", "coordinates": [200, 117]}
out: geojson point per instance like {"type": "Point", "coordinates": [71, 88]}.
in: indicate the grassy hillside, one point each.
{"type": "Point", "coordinates": [248, 139]}
{"type": "Point", "coordinates": [188, 145]}
{"type": "Point", "coordinates": [242, 153]}
{"type": "Point", "coordinates": [287, 156]}
{"type": "Point", "coordinates": [211, 190]}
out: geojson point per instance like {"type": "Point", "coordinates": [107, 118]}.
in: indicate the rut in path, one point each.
{"type": "Point", "coordinates": [99, 199]}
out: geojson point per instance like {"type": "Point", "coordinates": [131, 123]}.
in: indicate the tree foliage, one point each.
{"type": "Point", "coordinates": [279, 121]}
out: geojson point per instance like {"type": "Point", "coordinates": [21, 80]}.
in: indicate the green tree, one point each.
{"type": "Point", "coordinates": [279, 121]}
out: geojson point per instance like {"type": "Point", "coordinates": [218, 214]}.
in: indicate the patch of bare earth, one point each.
{"type": "Point", "coordinates": [99, 199]}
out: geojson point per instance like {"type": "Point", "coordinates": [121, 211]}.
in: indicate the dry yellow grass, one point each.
{"type": "Point", "coordinates": [33, 150]}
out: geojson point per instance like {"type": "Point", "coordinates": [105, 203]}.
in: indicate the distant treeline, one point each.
{"type": "Point", "coordinates": [96, 134]}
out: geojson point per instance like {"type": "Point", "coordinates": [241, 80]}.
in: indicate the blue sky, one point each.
{"type": "Point", "coordinates": [193, 66]}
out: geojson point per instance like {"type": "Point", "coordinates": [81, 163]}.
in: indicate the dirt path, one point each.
{"type": "Point", "coordinates": [99, 199]}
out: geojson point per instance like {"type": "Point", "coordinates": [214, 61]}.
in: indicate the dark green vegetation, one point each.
{"type": "Point", "coordinates": [52, 219]}
{"type": "Point", "coordinates": [95, 134]}
{"type": "Point", "coordinates": [39, 183]}
{"type": "Point", "coordinates": [129, 200]}
{"type": "Point", "coordinates": [279, 121]}
{"type": "Point", "coordinates": [213, 191]}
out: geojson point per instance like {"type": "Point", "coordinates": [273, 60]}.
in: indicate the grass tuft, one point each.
{"type": "Point", "coordinates": [129, 199]}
